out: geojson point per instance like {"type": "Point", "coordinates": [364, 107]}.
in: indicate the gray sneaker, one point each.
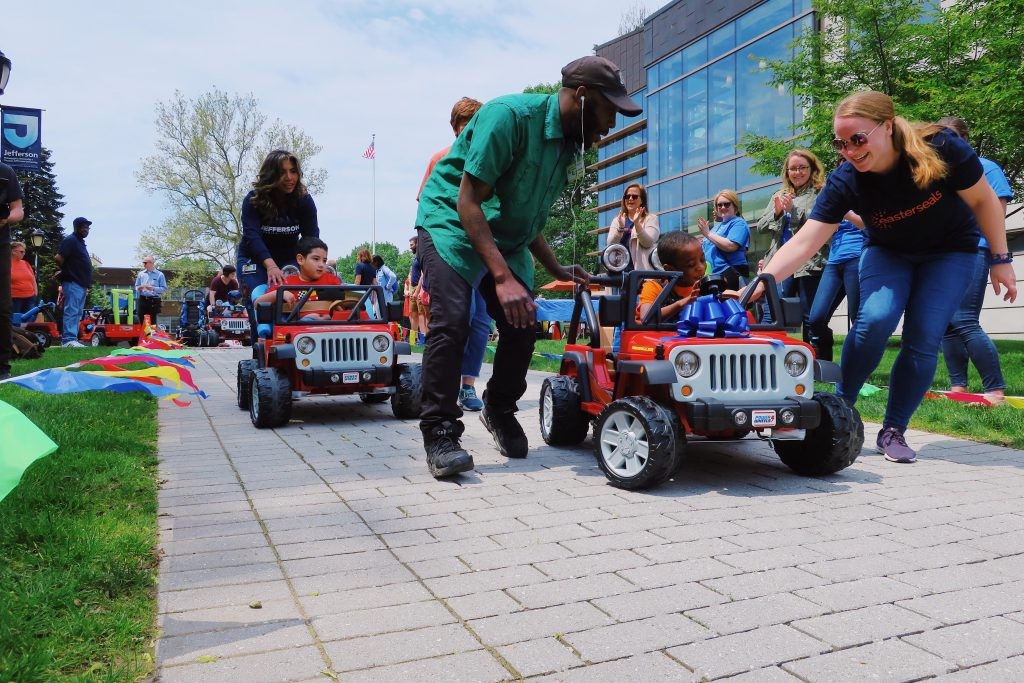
{"type": "Point", "coordinates": [892, 444]}
{"type": "Point", "coordinates": [73, 344]}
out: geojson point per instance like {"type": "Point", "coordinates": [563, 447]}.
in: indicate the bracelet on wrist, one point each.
{"type": "Point", "coordinates": [999, 259]}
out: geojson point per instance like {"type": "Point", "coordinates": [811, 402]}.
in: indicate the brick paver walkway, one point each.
{"type": "Point", "coordinates": [325, 549]}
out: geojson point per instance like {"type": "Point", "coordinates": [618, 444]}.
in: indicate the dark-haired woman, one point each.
{"type": "Point", "coordinates": [275, 214]}
{"type": "Point", "coordinates": [922, 196]}
{"type": "Point", "coordinates": [635, 228]}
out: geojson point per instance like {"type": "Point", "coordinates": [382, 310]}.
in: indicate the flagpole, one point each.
{"type": "Point", "coordinates": [373, 192]}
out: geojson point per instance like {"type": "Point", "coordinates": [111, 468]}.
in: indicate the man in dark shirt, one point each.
{"type": "Point", "coordinates": [11, 211]}
{"type": "Point", "coordinates": [221, 284]}
{"type": "Point", "coordinates": [75, 278]}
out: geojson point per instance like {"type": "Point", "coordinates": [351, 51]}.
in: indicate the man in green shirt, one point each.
{"type": "Point", "coordinates": [480, 218]}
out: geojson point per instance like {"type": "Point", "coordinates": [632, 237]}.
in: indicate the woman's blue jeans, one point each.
{"type": "Point", "coordinates": [926, 290]}
{"type": "Point", "coordinates": [476, 342]}
{"type": "Point", "coordinates": [838, 280]}
{"type": "Point", "coordinates": [965, 340]}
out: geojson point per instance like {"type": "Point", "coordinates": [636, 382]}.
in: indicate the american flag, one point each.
{"type": "Point", "coordinates": [369, 153]}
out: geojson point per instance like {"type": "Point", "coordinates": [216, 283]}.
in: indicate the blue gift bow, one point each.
{"type": "Point", "coordinates": [709, 317]}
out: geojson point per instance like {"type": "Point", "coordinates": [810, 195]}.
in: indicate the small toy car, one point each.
{"type": "Point", "coordinates": [664, 387]}
{"type": "Point", "coordinates": [116, 324]}
{"type": "Point", "coordinates": [229, 319]}
{"type": "Point", "coordinates": [335, 340]}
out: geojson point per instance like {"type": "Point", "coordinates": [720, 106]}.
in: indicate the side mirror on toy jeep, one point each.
{"type": "Point", "coordinates": [265, 312]}
{"type": "Point", "coordinates": [792, 314]}
{"type": "Point", "coordinates": [394, 310]}
{"type": "Point", "coordinates": [609, 310]}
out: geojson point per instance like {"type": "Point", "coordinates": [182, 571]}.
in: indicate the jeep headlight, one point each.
{"type": "Point", "coordinates": [381, 342]}
{"type": "Point", "coordinates": [305, 345]}
{"type": "Point", "coordinates": [796, 363]}
{"type": "Point", "coordinates": [687, 364]}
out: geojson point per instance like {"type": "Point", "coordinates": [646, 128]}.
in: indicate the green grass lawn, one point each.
{"type": "Point", "coordinates": [78, 537]}
{"type": "Point", "coordinates": [1003, 425]}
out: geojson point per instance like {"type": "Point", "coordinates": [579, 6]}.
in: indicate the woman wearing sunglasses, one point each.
{"type": "Point", "coordinates": [786, 213]}
{"type": "Point", "coordinates": [725, 243]}
{"type": "Point", "coordinates": [635, 229]}
{"type": "Point", "coordinates": [923, 197]}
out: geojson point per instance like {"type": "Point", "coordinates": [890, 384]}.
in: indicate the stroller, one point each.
{"type": "Point", "coordinates": [194, 327]}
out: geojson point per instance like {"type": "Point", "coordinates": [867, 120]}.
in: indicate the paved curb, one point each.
{"type": "Point", "coordinates": [325, 549]}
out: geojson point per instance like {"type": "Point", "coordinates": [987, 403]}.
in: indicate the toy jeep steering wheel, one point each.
{"type": "Point", "coordinates": [343, 304]}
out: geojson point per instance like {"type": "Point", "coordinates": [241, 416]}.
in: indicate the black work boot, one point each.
{"type": "Point", "coordinates": [504, 427]}
{"type": "Point", "coordinates": [445, 455]}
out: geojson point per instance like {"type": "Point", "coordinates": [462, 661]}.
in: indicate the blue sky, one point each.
{"type": "Point", "coordinates": [341, 71]}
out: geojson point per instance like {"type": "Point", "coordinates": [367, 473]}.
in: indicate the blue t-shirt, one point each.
{"type": "Point", "coordinates": [899, 215]}
{"type": "Point", "coordinates": [847, 243]}
{"type": "Point", "coordinates": [77, 266]}
{"type": "Point", "coordinates": [736, 230]}
{"type": "Point", "coordinates": [997, 179]}
{"type": "Point", "coordinates": [366, 271]}
{"type": "Point", "coordinates": [276, 238]}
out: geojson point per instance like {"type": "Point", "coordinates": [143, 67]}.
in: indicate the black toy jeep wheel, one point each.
{"type": "Point", "coordinates": [562, 423]}
{"type": "Point", "coordinates": [244, 377]}
{"type": "Point", "coordinates": [98, 338]}
{"type": "Point", "coordinates": [635, 443]}
{"type": "Point", "coordinates": [407, 401]}
{"type": "Point", "coordinates": [831, 446]}
{"type": "Point", "coordinates": [374, 398]}
{"type": "Point", "coordinates": [270, 398]}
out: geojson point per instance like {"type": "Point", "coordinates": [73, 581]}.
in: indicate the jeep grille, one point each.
{"type": "Point", "coordinates": [235, 324]}
{"type": "Point", "coordinates": [345, 349]}
{"type": "Point", "coordinates": [743, 372]}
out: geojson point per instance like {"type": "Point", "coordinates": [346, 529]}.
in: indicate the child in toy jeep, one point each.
{"type": "Point", "coordinates": [322, 337]}
{"type": "Point", "coordinates": [712, 373]}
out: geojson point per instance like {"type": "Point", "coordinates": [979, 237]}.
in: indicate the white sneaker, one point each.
{"type": "Point", "coordinates": [73, 344]}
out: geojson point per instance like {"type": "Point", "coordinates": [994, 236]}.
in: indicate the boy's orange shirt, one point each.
{"type": "Point", "coordinates": [326, 280]}
{"type": "Point", "coordinates": [652, 288]}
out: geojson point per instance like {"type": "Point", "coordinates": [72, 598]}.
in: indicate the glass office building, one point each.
{"type": "Point", "coordinates": [700, 73]}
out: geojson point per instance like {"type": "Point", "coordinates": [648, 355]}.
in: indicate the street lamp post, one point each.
{"type": "Point", "coordinates": [36, 238]}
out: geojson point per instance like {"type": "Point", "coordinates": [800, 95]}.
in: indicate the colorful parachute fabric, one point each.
{"type": "Point", "coordinates": [167, 376]}
{"type": "Point", "coordinates": [21, 444]}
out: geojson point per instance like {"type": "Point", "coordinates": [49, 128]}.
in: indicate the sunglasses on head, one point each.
{"type": "Point", "coordinates": [723, 205]}
{"type": "Point", "coordinates": [856, 140]}
{"type": "Point", "coordinates": [631, 196]}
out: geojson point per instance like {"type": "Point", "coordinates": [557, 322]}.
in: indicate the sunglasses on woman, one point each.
{"type": "Point", "coordinates": [855, 141]}
{"type": "Point", "coordinates": [631, 196]}
{"type": "Point", "coordinates": [723, 205]}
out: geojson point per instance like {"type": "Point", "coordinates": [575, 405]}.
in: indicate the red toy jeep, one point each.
{"type": "Point", "coordinates": [664, 386]}
{"type": "Point", "coordinates": [333, 340]}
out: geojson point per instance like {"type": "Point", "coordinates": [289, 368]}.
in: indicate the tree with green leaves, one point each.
{"type": "Point", "coordinates": [573, 218]}
{"type": "Point", "coordinates": [966, 60]}
{"type": "Point", "coordinates": [209, 150]}
{"type": "Point", "coordinates": [43, 202]}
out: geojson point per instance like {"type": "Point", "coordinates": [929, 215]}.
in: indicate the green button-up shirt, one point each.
{"type": "Point", "coordinates": [514, 144]}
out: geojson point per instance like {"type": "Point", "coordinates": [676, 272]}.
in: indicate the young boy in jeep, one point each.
{"type": "Point", "coordinates": [681, 252]}
{"type": "Point", "coordinates": [312, 260]}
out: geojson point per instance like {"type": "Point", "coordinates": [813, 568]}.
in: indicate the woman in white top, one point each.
{"type": "Point", "coordinates": [635, 228]}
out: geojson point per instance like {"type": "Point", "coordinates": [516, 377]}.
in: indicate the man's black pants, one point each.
{"type": "Point", "coordinates": [6, 344]}
{"type": "Point", "coordinates": [148, 305]}
{"type": "Point", "coordinates": [450, 297]}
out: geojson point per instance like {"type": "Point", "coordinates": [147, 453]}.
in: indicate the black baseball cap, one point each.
{"type": "Point", "coordinates": [82, 221]}
{"type": "Point", "coordinates": [603, 74]}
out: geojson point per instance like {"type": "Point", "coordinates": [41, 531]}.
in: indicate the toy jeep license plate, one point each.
{"type": "Point", "coordinates": [762, 418]}
{"type": "Point", "coordinates": [353, 378]}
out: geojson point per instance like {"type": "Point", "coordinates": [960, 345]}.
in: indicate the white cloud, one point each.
{"type": "Point", "coordinates": [341, 71]}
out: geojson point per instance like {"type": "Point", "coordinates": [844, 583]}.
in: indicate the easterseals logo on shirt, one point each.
{"type": "Point", "coordinates": [883, 220]}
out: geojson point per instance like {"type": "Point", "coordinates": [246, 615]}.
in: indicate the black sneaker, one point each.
{"type": "Point", "coordinates": [504, 427]}
{"type": "Point", "coordinates": [445, 455]}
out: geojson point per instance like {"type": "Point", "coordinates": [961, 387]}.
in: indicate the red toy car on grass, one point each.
{"type": "Point", "coordinates": [335, 340]}
{"type": "Point", "coordinates": [664, 387]}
